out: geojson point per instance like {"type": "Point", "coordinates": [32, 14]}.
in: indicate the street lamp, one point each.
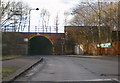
{"type": "Point", "coordinates": [29, 29]}
{"type": "Point", "coordinates": [29, 18]}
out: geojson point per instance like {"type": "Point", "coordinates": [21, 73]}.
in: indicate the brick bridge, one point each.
{"type": "Point", "coordinates": [44, 43]}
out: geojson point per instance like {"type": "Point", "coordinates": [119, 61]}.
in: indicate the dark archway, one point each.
{"type": "Point", "coordinates": [40, 45]}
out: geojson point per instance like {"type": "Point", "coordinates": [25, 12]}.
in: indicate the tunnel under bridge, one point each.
{"type": "Point", "coordinates": [40, 45]}
{"type": "Point", "coordinates": [45, 43]}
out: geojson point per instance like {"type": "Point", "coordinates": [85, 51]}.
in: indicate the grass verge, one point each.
{"type": "Point", "coordinates": [7, 71]}
{"type": "Point", "coordinates": [9, 57]}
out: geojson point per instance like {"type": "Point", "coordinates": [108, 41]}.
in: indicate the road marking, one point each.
{"type": "Point", "coordinates": [102, 79]}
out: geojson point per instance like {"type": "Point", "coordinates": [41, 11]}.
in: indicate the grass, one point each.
{"type": "Point", "coordinates": [7, 71]}
{"type": "Point", "coordinates": [9, 57]}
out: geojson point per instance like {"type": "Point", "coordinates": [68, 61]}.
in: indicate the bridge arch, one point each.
{"type": "Point", "coordinates": [40, 45]}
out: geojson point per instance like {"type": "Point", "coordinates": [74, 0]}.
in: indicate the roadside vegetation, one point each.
{"type": "Point", "coordinates": [9, 57]}
{"type": "Point", "coordinates": [104, 15]}
{"type": "Point", "coordinates": [7, 71]}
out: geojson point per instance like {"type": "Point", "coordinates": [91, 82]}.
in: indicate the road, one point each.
{"type": "Point", "coordinates": [63, 68]}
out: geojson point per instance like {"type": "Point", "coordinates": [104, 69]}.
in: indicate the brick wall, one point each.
{"type": "Point", "coordinates": [12, 44]}
{"type": "Point", "coordinates": [114, 50]}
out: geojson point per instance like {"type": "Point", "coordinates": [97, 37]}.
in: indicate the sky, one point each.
{"type": "Point", "coordinates": [55, 7]}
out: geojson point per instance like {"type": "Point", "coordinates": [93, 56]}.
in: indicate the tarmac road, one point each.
{"type": "Point", "coordinates": [63, 68]}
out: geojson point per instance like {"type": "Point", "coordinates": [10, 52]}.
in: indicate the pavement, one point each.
{"type": "Point", "coordinates": [22, 64]}
{"type": "Point", "coordinates": [103, 57]}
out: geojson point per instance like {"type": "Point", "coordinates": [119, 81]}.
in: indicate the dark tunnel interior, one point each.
{"type": "Point", "coordinates": [40, 45]}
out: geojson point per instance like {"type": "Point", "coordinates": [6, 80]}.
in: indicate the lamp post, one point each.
{"type": "Point", "coordinates": [29, 30]}
{"type": "Point", "coordinates": [29, 18]}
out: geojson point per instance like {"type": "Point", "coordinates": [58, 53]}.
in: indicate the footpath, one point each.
{"type": "Point", "coordinates": [103, 57]}
{"type": "Point", "coordinates": [20, 65]}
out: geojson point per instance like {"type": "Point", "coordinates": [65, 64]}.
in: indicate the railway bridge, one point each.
{"type": "Point", "coordinates": [38, 43]}
{"type": "Point", "coordinates": [44, 43]}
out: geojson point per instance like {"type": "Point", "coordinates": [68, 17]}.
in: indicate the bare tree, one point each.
{"type": "Point", "coordinates": [45, 15]}
{"type": "Point", "coordinates": [88, 15]}
{"type": "Point", "coordinates": [66, 14]}
{"type": "Point", "coordinates": [56, 23]}
{"type": "Point", "coordinates": [14, 15]}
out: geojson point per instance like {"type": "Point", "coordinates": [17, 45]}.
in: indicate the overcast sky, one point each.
{"type": "Point", "coordinates": [53, 6]}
